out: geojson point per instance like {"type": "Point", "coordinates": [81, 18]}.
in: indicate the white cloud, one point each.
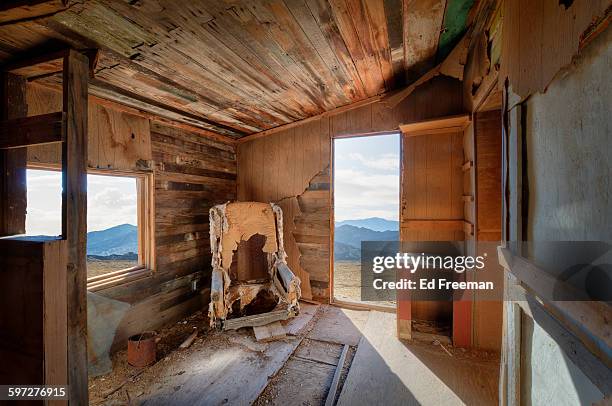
{"type": "Point", "coordinates": [385, 162]}
{"type": "Point", "coordinates": [111, 201]}
{"type": "Point", "coordinates": [363, 194]}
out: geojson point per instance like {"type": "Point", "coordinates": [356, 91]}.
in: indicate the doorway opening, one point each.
{"type": "Point", "coordinates": [366, 199]}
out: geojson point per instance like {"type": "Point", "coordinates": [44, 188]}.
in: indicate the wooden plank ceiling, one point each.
{"type": "Point", "coordinates": [237, 67]}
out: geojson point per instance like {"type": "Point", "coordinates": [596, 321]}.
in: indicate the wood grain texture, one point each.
{"type": "Point", "coordinates": [432, 189]}
{"type": "Point", "coordinates": [487, 315]}
{"type": "Point", "coordinates": [117, 140]}
{"type": "Point", "coordinates": [540, 38]}
{"type": "Point", "coordinates": [74, 218]}
{"type": "Point", "coordinates": [33, 305]}
{"type": "Point", "coordinates": [291, 167]}
{"type": "Point", "coordinates": [191, 174]}
{"type": "Point", "coordinates": [13, 199]}
{"type": "Point", "coordinates": [422, 27]}
{"type": "Point", "coordinates": [22, 132]}
{"type": "Point", "coordinates": [235, 68]}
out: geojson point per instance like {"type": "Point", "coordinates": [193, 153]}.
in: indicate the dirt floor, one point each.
{"type": "Point", "coordinates": [347, 283]}
{"type": "Point", "coordinates": [126, 384]}
{"type": "Point", "coordinates": [97, 267]}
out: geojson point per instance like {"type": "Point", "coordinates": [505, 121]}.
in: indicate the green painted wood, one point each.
{"type": "Point", "coordinates": [454, 26]}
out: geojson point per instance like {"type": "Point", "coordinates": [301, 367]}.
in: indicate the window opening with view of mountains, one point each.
{"type": "Point", "coordinates": [112, 217]}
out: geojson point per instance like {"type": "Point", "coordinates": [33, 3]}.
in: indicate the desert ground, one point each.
{"type": "Point", "coordinates": [347, 282]}
{"type": "Point", "coordinates": [97, 267]}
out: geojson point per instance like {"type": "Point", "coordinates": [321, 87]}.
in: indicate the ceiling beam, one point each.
{"type": "Point", "coordinates": [16, 11]}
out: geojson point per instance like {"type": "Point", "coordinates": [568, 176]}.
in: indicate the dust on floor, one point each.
{"type": "Point", "coordinates": [218, 368]}
{"type": "Point", "coordinates": [233, 368]}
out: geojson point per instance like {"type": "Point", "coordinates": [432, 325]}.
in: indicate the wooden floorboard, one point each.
{"type": "Point", "coordinates": [341, 326]}
{"type": "Point", "coordinates": [228, 374]}
{"type": "Point", "coordinates": [297, 324]}
{"type": "Point", "coordinates": [387, 371]}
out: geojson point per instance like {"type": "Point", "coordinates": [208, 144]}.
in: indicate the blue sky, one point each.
{"type": "Point", "coordinates": [111, 201]}
{"type": "Point", "coordinates": [366, 177]}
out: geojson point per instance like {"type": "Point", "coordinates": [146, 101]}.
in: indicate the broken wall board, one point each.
{"type": "Point", "coordinates": [294, 166]}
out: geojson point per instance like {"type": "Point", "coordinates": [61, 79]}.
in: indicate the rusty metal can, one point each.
{"type": "Point", "coordinates": [141, 349]}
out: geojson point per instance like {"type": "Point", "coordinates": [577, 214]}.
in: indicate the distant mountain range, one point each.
{"type": "Point", "coordinates": [348, 237]}
{"type": "Point", "coordinates": [115, 241]}
{"type": "Point", "coordinates": [373, 223]}
{"type": "Point", "coordinates": [122, 240]}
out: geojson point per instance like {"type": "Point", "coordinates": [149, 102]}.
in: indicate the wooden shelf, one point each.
{"type": "Point", "coordinates": [437, 126]}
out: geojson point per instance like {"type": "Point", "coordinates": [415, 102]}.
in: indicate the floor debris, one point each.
{"type": "Point", "coordinates": [269, 332]}
{"type": "Point", "coordinates": [187, 343]}
{"type": "Point", "coordinates": [221, 367]}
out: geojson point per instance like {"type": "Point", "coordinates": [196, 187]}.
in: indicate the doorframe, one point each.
{"type": "Point", "coordinates": [358, 305]}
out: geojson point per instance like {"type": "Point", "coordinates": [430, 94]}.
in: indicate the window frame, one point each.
{"type": "Point", "coordinates": [145, 211]}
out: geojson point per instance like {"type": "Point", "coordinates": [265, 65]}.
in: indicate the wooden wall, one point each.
{"type": "Point", "coordinates": [559, 180]}
{"type": "Point", "coordinates": [541, 37]}
{"type": "Point", "coordinates": [469, 185]}
{"type": "Point", "coordinates": [192, 173]}
{"type": "Point", "coordinates": [117, 140]}
{"type": "Point", "coordinates": [487, 315]}
{"type": "Point", "coordinates": [432, 190]}
{"type": "Point", "coordinates": [33, 309]}
{"type": "Point", "coordinates": [292, 167]}
{"type": "Point", "coordinates": [432, 186]}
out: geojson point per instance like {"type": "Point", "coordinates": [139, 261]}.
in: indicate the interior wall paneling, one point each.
{"type": "Point", "coordinates": [488, 144]}
{"type": "Point", "coordinates": [117, 140]}
{"type": "Point", "coordinates": [33, 274]}
{"type": "Point", "coordinates": [540, 38]}
{"type": "Point", "coordinates": [303, 150]}
{"type": "Point", "coordinates": [432, 190]}
{"type": "Point", "coordinates": [13, 194]}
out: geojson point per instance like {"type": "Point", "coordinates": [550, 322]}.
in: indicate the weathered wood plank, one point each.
{"type": "Point", "coordinates": [36, 130]}
{"type": "Point", "coordinates": [422, 25]}
{"type": "Point", "coordinates": [74, 218]}
{"type": "Point", "coordinates": [13, 194]}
